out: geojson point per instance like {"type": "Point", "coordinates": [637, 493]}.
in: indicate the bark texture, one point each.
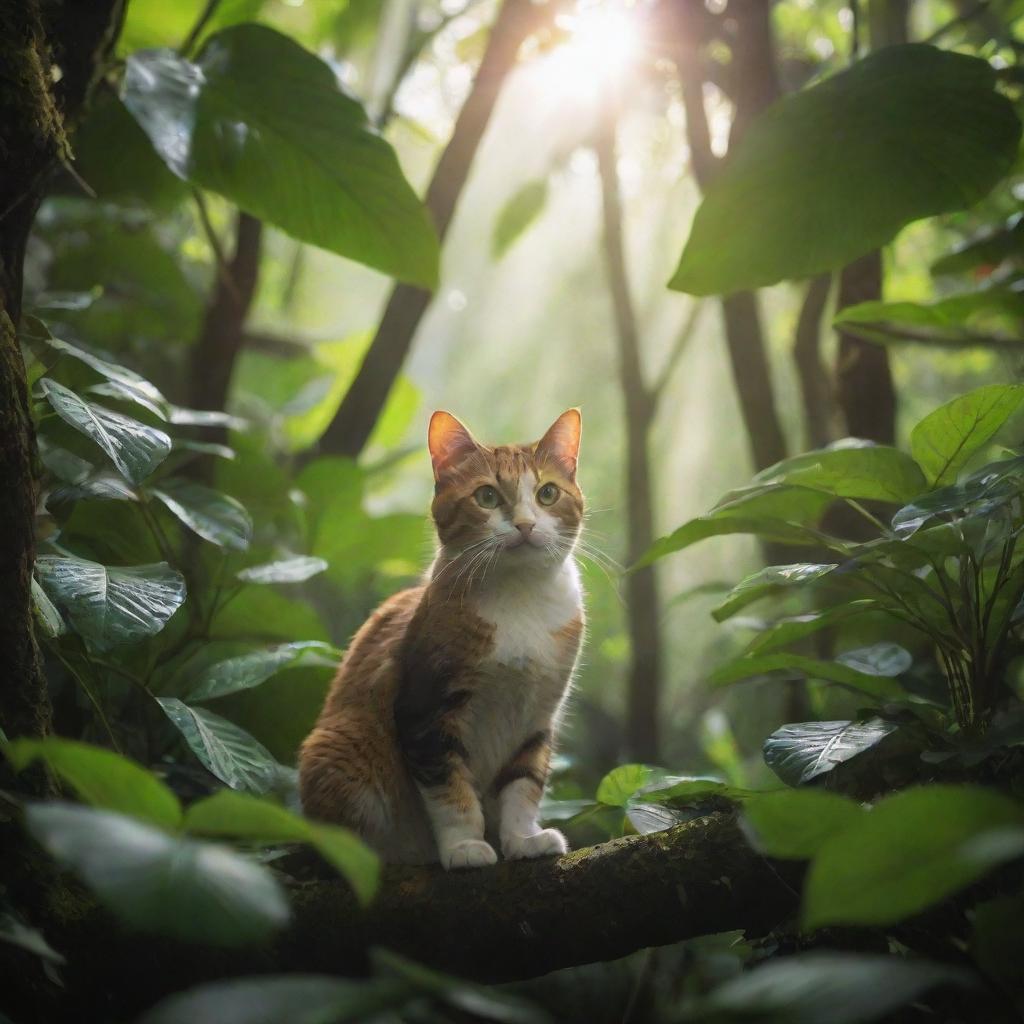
{"type": "Point", "coordinates": [363, 403]}
{"type": "Point", "coordinates": [512, 921]}
{"type": "Point", "coordinates": [33, 116]}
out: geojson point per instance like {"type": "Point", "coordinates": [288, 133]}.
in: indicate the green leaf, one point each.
{"type": "Point", "coordinates": [241, 816]}
{"type": "Point", "coordinates": [476, 1002]}
{"type": "Point", "coordinates": [521, 210]}
{"type": "Point", "coordinates": [285, 570]}
{"type": "Point", "coordinates": [16, 933]}
{"type": "Point", "coordinates": [988, 250]}
{"type": "Point", "coordinates": [811, 988]}
{"type": "Point", "coordinates": [852, 469]}
{"type": "Point", "coordinates": [803, 751]}
{"type": "Point", "coordinates": [685, 789]}
{"type": "Point", "coordinates": [768, 581]}
{"type": "Point", "coordinates": [104, 485]}
{"type": "Point", "coordinates": [227, 751]}
{"type": "Point", "coordinates": [881, 659]}
{"type": "Point", "coordinates": [777, 513]}
{"type": "Point", "coordinates": [130, 385]}
{"type": "Point", "coordinates": [47, 617]}
{"type": "Point", "coordinates": [971, 318]}
{"type": "Point", "coordinates": [249, 670]}
{"type": "Point", "coordinates": [300, 156]}
{"type": "Point", "coordinates": [134, 448]}
{"type": "Point", "coordinates": [282, 999]}
{"type": "Point", "coordinates": [112, 605]}
{"type": "Point", "coordinates": [945, 439]}
{"type": "Point", "coordinates": [924, 131]}
{"type": "Point", "coordinates": [622, 782]}
{"type": "Point", "coordinates": [910, 852]}
{"type": "Point", "coordinates": [258, 612]}
{"type": "Point", "coordinates": [793, 824]}
{"type": "Point", "coordinates": [101, 778]}
{"type": "Point", "coordinates": [788, 630]}
{"type": "Point", "coordinates": [155, 882]}
{"type": "Point", "coordinates": [749, 666]}
{"type": "Point", "coordinates": [216, 517]}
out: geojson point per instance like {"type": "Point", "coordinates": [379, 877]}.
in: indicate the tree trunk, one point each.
{"type": "Point", "coordinates": [364, 401]}
{"type": "Point", "coordinates": [815, 386]}
{"type": "Point", "coordinates": [33, 115]}
{"type": "Point", "coordinates": [864, 386]}
{"type": "Point", "coordinates": [220, 340]}
{"type": "Point", "coordinates": [512, 921]}
{"type": "Point", "coordinates": [643, 607]}
{"type": "Point", "coordinates": [755, 85]}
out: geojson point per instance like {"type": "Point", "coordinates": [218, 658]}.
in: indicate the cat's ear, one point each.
{"type": "Point", "coordinates": [448, 441]}
{"type": "Point", "coordinates": [561, 443]}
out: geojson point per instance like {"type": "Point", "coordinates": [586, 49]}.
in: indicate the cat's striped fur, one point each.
{"type": "Point", "coordinates": [436, 736]}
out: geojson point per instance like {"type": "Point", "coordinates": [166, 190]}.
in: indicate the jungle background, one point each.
{"type": "Point", "coordinates": [771, 249]}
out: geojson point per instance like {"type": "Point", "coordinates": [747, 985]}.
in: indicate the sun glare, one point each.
{"type": "Point", "coordinates": [601, 45]}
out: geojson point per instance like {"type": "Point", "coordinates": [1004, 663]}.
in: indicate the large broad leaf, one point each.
{"type": "Point", "coordinates": [112, 605]}
{"type": "Point", "coordinates": [521, 210]}
{"type": "Point", "coordinates": [908, 132]}
{"type": "Point", "coordinates": [134, 448]}
{"type": "Point", "coordinates": [811, 988]}
{"type": "Point", "coordinates": [240, 816]}
{"type": "Point", "coordinates": [235, 757]}
{"type": "Point", "coordinates": [775, 512]}
{"type": "Point", "coordinates": [48, 619]}
{"type": "Point", "coordinates": [767, 581]}
{"type": "Point", "coordinates": [945, 439]}
{"type": "Point", "coordinates": [289, 147]}
{"type": "Point", "coordinates": [249, 670]}
{"type": "Point", "coordinates": [621, 783]}
{"type": "Point", "coordinates": [852, 469]}
{"type": "Point", "coordinates": [796, 823]}
{"type": "Point", "coordinates": [285, 570]}
{"type": "Point", "coordinates": [155, 882]}
{"type": "Point", "coordinates": [216, 517]}
{"type": "Point", "coordinates": [751, 666]}
{"type": "Point", "coordinates": [911, 851]}
{"type": "Point", "coordinates": [292, 998]}
{"type": "Point", "coordinates": [101, 778]}
{"type": "Point", "coordinates": [803, 751]}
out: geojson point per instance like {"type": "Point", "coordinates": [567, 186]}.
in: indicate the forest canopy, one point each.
{"type": "Point", "coordinates": [772, 249]}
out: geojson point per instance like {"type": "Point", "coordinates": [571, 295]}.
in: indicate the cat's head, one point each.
{"type": "Point", "coordinates": [519, 503]}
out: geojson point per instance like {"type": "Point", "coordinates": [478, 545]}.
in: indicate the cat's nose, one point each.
{"type": "Point", "coordinates": [525, 529]}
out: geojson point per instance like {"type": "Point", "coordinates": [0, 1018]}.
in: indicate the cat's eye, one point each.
{"type": "Point", "coordinates": [487, 496]}
{"type": "Point", "coordinates": [548, 494]}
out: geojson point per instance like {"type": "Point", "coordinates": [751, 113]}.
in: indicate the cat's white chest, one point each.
{"type": "Point", "coordinates": [527, 614]}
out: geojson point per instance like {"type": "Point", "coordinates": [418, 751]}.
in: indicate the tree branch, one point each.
{"type": "Point", "coordinates": [512, 921]}
{"type": "Point", "coordinates": [352, 425]}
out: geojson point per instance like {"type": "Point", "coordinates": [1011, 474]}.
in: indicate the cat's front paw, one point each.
{"type": "Point", "coordinates": [469, 853]}
{"type": "Point", "coordinates": [549, 842]}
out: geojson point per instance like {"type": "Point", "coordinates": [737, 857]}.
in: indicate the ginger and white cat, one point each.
{"type": "Point", "coordinates": [435, 739]}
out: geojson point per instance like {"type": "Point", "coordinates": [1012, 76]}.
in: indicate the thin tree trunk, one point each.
{"type": "Point", "coordinates": [364, 401]}
{"type": "Point", "coordinates": [33, 116]}
{"type": "Point", "coordinates": [815, 385]}
{"type": "Point", "coordinates": [643, 607]}
{"type": "Point", "coordinates": [223, 330]}
{"type": "Point", "coordinates": [755, 86]}
{"type": "Point", "coordinates": [864, 385]}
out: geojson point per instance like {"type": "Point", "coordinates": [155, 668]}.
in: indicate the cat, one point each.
{"type": "Point", "coordinates": [435, 739]}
